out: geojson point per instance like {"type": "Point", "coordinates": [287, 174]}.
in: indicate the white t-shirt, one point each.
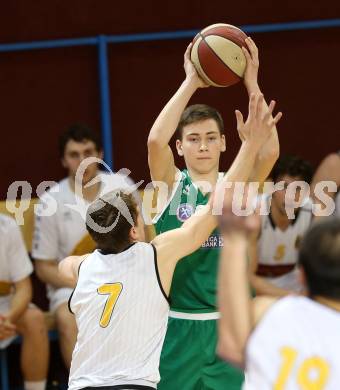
{"type": "Point", "coordinates": [57, 235]}
{"type": "Point", "coordinates": [15, 264]}
{"type": "Point", "coordinates": [122, 314]}
{"type": "Point", "coordinates": [295, 346]}
{"type": "Point", "coordinates": [280, 248]}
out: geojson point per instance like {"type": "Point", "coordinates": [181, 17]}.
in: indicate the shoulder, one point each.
{"type": "Point", "coordinates": [145, 246]}
{"type": "Point", "coordinates": [180, 186]}
{"type": "Point", "coordinates": [57, 191]}
{"type": "Point", "coordinates": [114, 181]}
{"type": "Point", "coordinates": [332, 161]}
{"type": "Point", "coordinates": [266, 308]}
{"type": "Point", "coordinates": [271, 314]}
{"type": "Point", "coordinates": [7, 224]}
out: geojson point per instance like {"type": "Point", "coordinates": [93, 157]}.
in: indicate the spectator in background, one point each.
{"type": "Point", "coordinates": [17, 316]}
{"type": "Point", "coordinates": [329, 170]}
{"type": "Point", "coordinates": [63, 233]}
{"type": "Point", "coordinates": [274, 247]}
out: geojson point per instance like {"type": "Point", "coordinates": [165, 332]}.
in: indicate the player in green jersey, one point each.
{"type": "Point", "coordinates": [188, 360]}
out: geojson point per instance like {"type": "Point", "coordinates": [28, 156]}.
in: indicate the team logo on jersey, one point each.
{"type": "Point", "coordinates": [184, 211]}
{"type": "Point", "coordinates": [280, 252]}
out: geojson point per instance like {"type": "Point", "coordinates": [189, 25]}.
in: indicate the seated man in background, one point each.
{"type": "Point", "coordinates": [17, 316]}
{"type": "Point", "coordinates": [292, 342]}
{"type": "Point", "coordinates": [63, 233]}
{"type": "Point", "coordinates": [274, 247]}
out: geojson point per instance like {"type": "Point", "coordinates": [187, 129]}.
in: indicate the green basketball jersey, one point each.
{"type": "Point", "coordinates": [193, 286]}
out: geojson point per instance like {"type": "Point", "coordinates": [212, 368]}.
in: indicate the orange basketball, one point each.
{"type": "Point", "coordinates": [217, 55]}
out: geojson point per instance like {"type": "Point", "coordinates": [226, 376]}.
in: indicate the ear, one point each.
{"type": "Point", "coordinates": [179, 147]}
{"type": "Point", "coordinates": [223, 143]}
{"type": "Point", "coordinates": [101, 154]}
{"type": "Point", "coordinates": [133, 234]}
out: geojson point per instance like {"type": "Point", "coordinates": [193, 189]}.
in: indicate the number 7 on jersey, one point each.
{"type": "Point", "coordinates": [113, 290]}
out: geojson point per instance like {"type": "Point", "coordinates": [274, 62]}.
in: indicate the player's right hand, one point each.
{"type": "Point", "coordinates": [190, 70]}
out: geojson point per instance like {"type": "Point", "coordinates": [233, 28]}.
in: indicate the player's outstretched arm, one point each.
{"type": "Point", "coordinates": [238, 313]}
{"type": "Point", "coordinates": [160, 157]}
{"type": "Point", "coordinates": [68, 270]}
{"type": "Point", "coordinates": [47, 272]}
{"type": "Point", "coordinates": [254, 133]}
{"type": "Point", "coordinates": [270, 151]}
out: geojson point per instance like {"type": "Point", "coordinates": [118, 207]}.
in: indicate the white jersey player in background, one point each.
{"type": "Point", "coordinates": [63, 232]}
{"type": "Point", "coordinates": [291, 343]}
{"type": "Point", "coordinates": [17, 315]}
{"type": "Point", "coordinates": [274, 248]}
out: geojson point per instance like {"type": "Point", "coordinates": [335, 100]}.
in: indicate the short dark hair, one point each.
{"type": "Point", "coordinates": [293, 166]}
{"type": "Point", "coordinates": [105, 212]}
{"type": "Point", "coordinates": [319, 257]}
{"type": "Point", "coordinates": [78, 132]}
{"type": "Point", "coordinates": [197, 113]}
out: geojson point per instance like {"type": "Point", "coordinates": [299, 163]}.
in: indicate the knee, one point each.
{"type": "Point", "coordinates": [32, 322]}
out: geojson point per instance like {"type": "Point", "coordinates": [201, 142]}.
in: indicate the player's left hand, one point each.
{"type": "Point", "coordinates": [259, 123]}
{"type": "Point", "coordinates": [7, 329]}
{"type": "Point", "coordinates": [252, 69]}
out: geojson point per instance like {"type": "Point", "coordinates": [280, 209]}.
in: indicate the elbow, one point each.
{"type": "Point", "coordinates": [229, 351]}
{"type": "Point", "coordinates": [229, 347]}
{"type": "Point", "coordinates": [156, 142]}
{"type": "Point", "coordinates": [153, 141]}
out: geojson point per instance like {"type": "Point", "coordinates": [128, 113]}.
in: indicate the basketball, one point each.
{"type": "Point", "coordinates": [217, 55]}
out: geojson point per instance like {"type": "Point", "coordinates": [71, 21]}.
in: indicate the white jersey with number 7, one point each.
{"type": "Point", "coordinates": [122, 313]}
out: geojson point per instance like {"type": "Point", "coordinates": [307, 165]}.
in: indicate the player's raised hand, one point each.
{"type": "Point", "coordinates": [190, 71]}
{"type": "Point", "coordinates": [259, 123]}
{"type": "Point", "coordinates": [252, 68]}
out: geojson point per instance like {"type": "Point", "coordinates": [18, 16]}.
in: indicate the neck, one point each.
{"type": "Point", "coordinates": [88, 193]}
{"type": "Point", "coordinates": [210, 177]}
{"type": "Point", "coordinates": [332, 303]}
